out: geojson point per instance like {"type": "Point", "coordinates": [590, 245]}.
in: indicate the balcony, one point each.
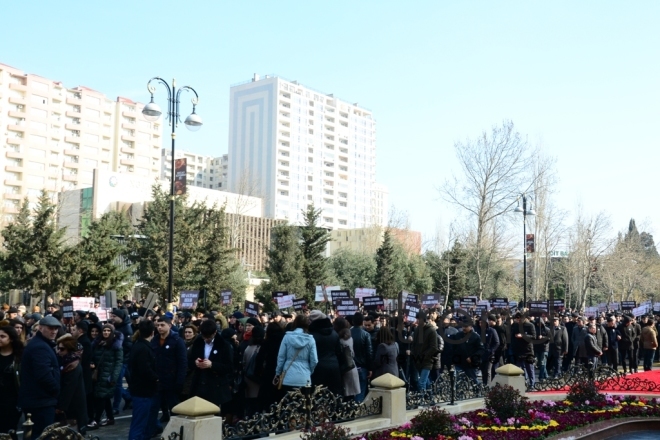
{"type": "Point", "coordinates": [12, 182]}
{"type": "Point", "coordinates": [72, 126]}
{"type": "Point", "coordinates": [129, 113]}
{"type": "Point", "coordinates": [72, 114]}
{"type": "Point", "coordinates": [129, 162]}
{"type": "Point", "coordinates": [73, 101]}
{"type": "Point", "coordinates": [16, 114]}
{"type": "Point", "coordinates": [126, 137]}
{"type": "Point", "coordinates": [15, 154]}
{"type": "Point", "coordinates": [75, 165]}
{"type": "Point", "coordinates": [128, 150]}
{"type": "Point", "coordinates": [70, 178]}
{"type": "Point", "coordinates": [129, 125]}
{"type": "Point", "coordinates": [13, 196]}
{"type": "Point", "coordinates": [17, 100]}
{"type": "Point", "coordinates": [11, 209]}
{"type": "Point", "coordinates": [19, 87]}
{"type": "Point", "coordinates": [70, 152]}
{"type": "Point", "coordinates": [14, 168]}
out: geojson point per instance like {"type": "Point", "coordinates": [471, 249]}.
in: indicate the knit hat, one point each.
{"type": "Point", "coordinates": [254, 321]}
{"type": "Point", "coordinates": [237, 315]}
{"type": "Point", "coordinates": [316, 314]}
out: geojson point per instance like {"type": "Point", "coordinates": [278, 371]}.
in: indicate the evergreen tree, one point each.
{"type": "Point", "coordinates": [285, 265]}
{"type": "Point", "coordinates": [353, 269]}
{"type": "Point", "coordinates": [386, 277]}
{"type": "Point", "coordinates": [17, 261]}
{"type": "Point", "coordinates": [418, 275]}
{"type": "Point", "coordinates": [101, 254]}
{"type": "Point", "coordinates": [314, 240]}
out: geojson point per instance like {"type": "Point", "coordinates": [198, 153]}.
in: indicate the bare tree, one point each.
{"type": "Point", "coordinates": [496, 167]}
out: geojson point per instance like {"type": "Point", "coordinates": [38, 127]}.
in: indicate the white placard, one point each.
{"type": "Point", "coordinates": [362, 292]}
{"type": "Point", "coordinates": [85, 303]}
{"type": "Point", "coordinates": [318, 293]}
{"type": "Point", "coordinates": [285, 301]}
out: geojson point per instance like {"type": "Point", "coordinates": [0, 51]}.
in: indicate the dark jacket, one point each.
{"type": "Point", "coordinates": [520, 348]}
{"type": "Point", "coordinates": [578, 338]}
{"type": "Point", "coordinates": [502, 336]}
{"type": "Point", "coordinates": [559, 343]}
{"type": "Point", "coordinates": [471, 349]}
{"type": "Point", "coordinates": [492, 343]}
{"type": "Point", "coordinates": [627, 336]}
{"type": "Point", "coordinates": [591, 346]}
{"type": "Point", "coordinates": [212, 384]}
{"type": "Point", "coordinates": [362, 348]}
{"type": "Point", "coordinates": [424, 346]}
{"type": "Point", "coordinates": [142, 366]}
{"type": "Point", "coordinates": [171, 361]}
{"type": "Point", "coordinates": [108, 362]}
{"type": "Point", "coordinates": [612, 337]}
{"type": "Point", "coordinates": [85, 361]}
{"type": "Point", "coordinates": [125, 329]}
{"type": "Point", "coordinates": [73, 396]}
{"type": "Point", "coordinates": [329, 352]}
{"type": "Point", "coordinates": [542, 330]}
{"type": "Point", "coordinates": [385, 360]}
{"type": "Point", "coordinates": [446, 357]}
{"type": "Point", "coordinates": [265, 368]}
{"type": "Point", "coordinates": [40, 374]}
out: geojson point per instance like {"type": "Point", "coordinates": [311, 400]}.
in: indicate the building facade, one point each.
{"type": "Point", "coordinates": [53, 137]}
{"type": "Point", "coordinates": [293, 146]}
{"type": "Point", "coordinates": [203, 171]}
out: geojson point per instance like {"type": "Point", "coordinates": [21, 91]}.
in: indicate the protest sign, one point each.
{"type": "Point", "coordinates": [278, 294]}
{"type": "Point", "coordinates": [299, 304]}
{"type": "Point", "coordinates": [431, 299]}
{"type": "Point", "coordinates": [252, 308]}
{"type": "Point", "coordinates": [322, 293]}
{"type": "Point", "coordinates": [85, 303]}
{"type": "Point", "coordinates": [558, 304]}
{"type": "Point", "coordinates": [468, 303]}
{"type": "Point", "coordinates": [286, 301]}
{"type": "Point", "coordinates": [499, 303]}
{"type": "Point", "coordinates": [539, 305]}
{"type": "Point", "coordinates": [346, 306]}
{"type": "Point", "coordinates": [339, 294]}
{"type": "Point", "coordinates": [373, 302]}
{"type": "Point", "coordinates": [226, 297]}
{"type": "Point", "coordinates": [628, 305]}
{"type": "Point", "coordinates": [411, 298]}
{"type": "Point", "coordinates": [103, 315]}
{"type": "Point", "coordinates": [67, 309]}
{"type": "Point", "coordinates": [363, 292]}
{"type": "Point", "coordinates": [188, 299]}
{"type": "Point", "coordinates": [410, 311]}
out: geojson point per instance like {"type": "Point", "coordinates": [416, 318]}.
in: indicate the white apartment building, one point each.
{"type": "Point", "coordinates": [203, 171]}
{"type": "Point", "coordinates": [53, 137]}
{"type": "Point", "coordinates": [293, 146]}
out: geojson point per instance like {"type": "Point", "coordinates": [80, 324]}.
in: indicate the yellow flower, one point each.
{"type": "Point", "coordinates": [553, 423]}
{"type": "Point", "coordinates": [482, 414]}
{"type": "Point", "coordinates": [567, 402]}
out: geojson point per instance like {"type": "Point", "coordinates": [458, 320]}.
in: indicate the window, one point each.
{"type": "Point", "coordinates": [92, 151]}
{"type": "Point", "coordinates": [36, 180]}
{"type": "Point", "coordinates": [37, 166]}
{"type": "Point", "coordinates": [37, 152]}
{"type": "Point", "coordinates": [39, 140]}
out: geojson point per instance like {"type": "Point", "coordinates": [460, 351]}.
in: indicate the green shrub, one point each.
{"type": "Point", "coordinates": [505, 402]}
{"type": "Point", "coordinates": [326, 431]}
{"type": "Point", "coordinates": [584, 391]}
{"type": "Point", "coordinates": [432, 422]}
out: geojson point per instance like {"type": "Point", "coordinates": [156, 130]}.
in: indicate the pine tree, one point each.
{"type": "Point", "coordinates": [285, 264]}
{"type": "Point", "coordinates": [314, 240]}
{"type": "Point", "coordinates": [353, 269]}
{"type": "Point", "coordinates": [386, 276]}
{"type": "Point", "coordinates": [18, 250]}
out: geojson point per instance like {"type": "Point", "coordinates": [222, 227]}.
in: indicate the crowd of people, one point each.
{"type": "Point", "coordinates": [75, 369]}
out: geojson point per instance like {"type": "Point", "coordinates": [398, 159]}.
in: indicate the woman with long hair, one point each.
{"type": "Point", "coordinates": [107, 361]}
{"type": "Point", "coordinates": [350, 377]}
{"type": "Point", "coordinates": [72, 401]}
{"type": "Point", "coordinates": [11, 349]}
{"type": "Point", "coordinates": [297, 357]}
{"type": "Point", "coordinates": [386, 354]}
{"type": "Point", "coordinates": [266, 364]}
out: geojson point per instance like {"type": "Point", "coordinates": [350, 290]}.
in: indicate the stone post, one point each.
{"type": "Point", "coordinates": [393, 394]}
{"type": "Point", "coordinates": [198, 419]}
{"type": "Point", "coordinates": [511, 375]}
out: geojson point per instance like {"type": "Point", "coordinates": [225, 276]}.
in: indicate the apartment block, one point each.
{"type": "Point", "coordinates": [53, 137]}
{"type": "Point", "coordinates": [293, 146]}
{"type": "Point", "coordinates": [203, 171]}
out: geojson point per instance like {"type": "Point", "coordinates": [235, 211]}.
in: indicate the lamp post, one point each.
{"type": "Point", "coordinates": [193, 122]}
{"type": "Point", "coordinates": [525, 212]}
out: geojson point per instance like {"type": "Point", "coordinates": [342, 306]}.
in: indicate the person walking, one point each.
{"type": "Point", "coordinates": [363, 352]}
{"type": "Point", "coordinates": [143, 384]}
{"type": "Point", "coordinates": [541, 350]}
{"type": "Point", "coordinates": [591, 347]}
{"type": "Point", "coordinates": [11, 351]}
{"type": "Point", "coordinates": [522, 349]}
{"type": "Point", "coordinates": [171, 364]}
{"type": "Point", "coordinates": [627, 332]}
{"type": "Point", "coordinates": [424, 349]}
{"type": "Point", "coordinates": [108, 358]}
{"type": "Point", "coordinates": [297, 357]}
{"type": "Point", "coordinates": [72, 401]}
{"type": "Point", "coordinates": [613, 336]}
{"type": "Point", "coordinates": [468, 355]}
{"type": "Point", "coordinates": [491, 341]}
{"type": "Point", "coordinates": [40, 376]}
{"type": "Point", "coordinates": [649, 342]}
{"type": "Point", "coordinates": [122, 323]}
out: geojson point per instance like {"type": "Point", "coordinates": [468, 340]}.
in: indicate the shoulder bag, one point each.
{"type": "Point", "coordinates": [280, 380]}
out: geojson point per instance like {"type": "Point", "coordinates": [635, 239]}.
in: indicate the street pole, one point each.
{"type": "Point", "coordinates": [525, 212]}
{"type": "Point", "coordinates": [193, 122]}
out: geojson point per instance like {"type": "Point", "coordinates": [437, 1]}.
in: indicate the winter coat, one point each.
{"type": "Point", "coordinates": [265, 368]}
{"type": "Point", "coordinates": [142, 367]}
{"type": "Point", "coordinates": [251, 387]}
{"type": "Point", "coordinates": [559, 343]}
{"type": "Point", "coordinates": [492, 342]}
{"type": "Point", "coordinates": [424, 346]}
{"type": "Point", "coordinates": [171, 361]}
{"type": "Point", "coordinates": [350, 378]}
{"type": "Point", "coordinates": [627, 336]}
{"type": "Point", "coordinates": [471, 348]}
{"type": "Point", "coordinates": [638, 334]}
{"type": "Point", "coordinates": [649, 339]}
{"type": "Point", "coordinates": [108, 361]}
{"type": "Point", "coordinates": [328, 351]}
{"type": "Point", "coordinates": [362, 348]}
{"type": "Point", "coordinates": [520, 348]}
{"type": "Point", "coordinates": [446, 357]}
{"type": "Point", "coordinates": [40, 374]}
{"type": "Point", "coordinates": [85, 361]}
{"type": "Point", "coordinates": [385, 360]}
{"type": "Point", "coordinates": [299, 368]}
{"type": "Point", "coordinates": [212, 384]}
{"type": "Point", "coordinates": [612, 334]}
{"type": "Point", "coordinates": [125, 329]}
{"type": "Point", "coordinates": [579, 333]}
{"type": "Point", "coordinates": [437, 364]}
{"type": "Point", "coordinates": [73, 396]}
{"type": "Point", "coordinates": [543, 331]}
{"type": "Point", "coordinates": [591, 347]}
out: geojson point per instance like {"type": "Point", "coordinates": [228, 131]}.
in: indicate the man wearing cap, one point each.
{"type": "Point", "coordinates": [627, 331]}
{"type": "Point", "coordinates": [558, 347]}
{"type": "Point", "coordinates": [591, 347]}
{"type": "Point", "coordinates": [613, 337]}
{"type": "Point", "coordinates": [40, 376]}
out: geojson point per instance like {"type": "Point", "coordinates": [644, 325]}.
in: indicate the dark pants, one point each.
{"type": "Point", "coordinates": [613, 358]}
{"type": "Point", "coordinates": [143, 422]}
{"type": "Point", "coordinates": [626, 353]}
{"type": "Point", "coordinates": [635, 357]}
{"type": "Point", "coordinates": [566, 362]}
{"type": "Point", "coordinates": [120, 391]}
{"type": "Point", "coordinates": [553, 362]}
{"type": "Point", "coordinates": [41, 417]}
{"type": "Point", "coordinates": [528, 369]}
{"type": "Point", "coordinates": [103, 404]}
{"type": "Point", "coordinates": [648, 358]}
{"type": "Point", "coordinates": [486, 371]}
{"type": "Point", "coordinates": [362, 375]}
{"type": "Point", "coordinates": [9, 417]}
{"type": "Point", "coordinates": [168, 400]}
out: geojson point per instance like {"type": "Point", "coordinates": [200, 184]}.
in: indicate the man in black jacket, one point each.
{"type": "Point", "coordinates": [171, 365]}
{"type": "Point", "coordinates": [627, 332]}
{"type": "Point", "coordinates": [363, 351]}
{"type": "Point", "coordinates": [491, 341]}
{"type": "Point", "coordinates": [613, 338]}
{"type": "Point", "coordinates": [468, 355]}
{"type": "Point", "coordinates": [85, 361]}
{"type": "Point", "coordinates": [558, 347]}
{"type": "Point", "coordinates": [40, 376]}
{"type": "Point", "coordinates": [541, 350]}
{"type": "Point", "coordinates": [591, 346]}
{"type": "Point", "coordinates": [122, 322]}
{"type": "Point", "coordinates": [143, 384]}
{"type": "Point", "coordinates": [522, 349]}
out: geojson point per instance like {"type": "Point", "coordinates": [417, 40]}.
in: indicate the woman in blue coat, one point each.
{"type": "Point", "coordinates": [297, 357]}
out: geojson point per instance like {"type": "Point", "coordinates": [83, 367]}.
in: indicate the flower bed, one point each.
{"type": "Point", "coordinates": [540, 419]}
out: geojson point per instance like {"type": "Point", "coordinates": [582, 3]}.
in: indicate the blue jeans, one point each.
{"type": "Point", "coordinates": [143, 422]}
{"type": "Point", "coordinates": [423, 380]}
{"type": "Point", "coordinates": [528, 369]}
{"type": "Point", "coordinates": [120, 391]}
{"type": "Point", "coordinates": [542, 360]}
{"type": "Point", "coordinates": [362, 375]}
{"type": "Point", "coordinates": [648, 358]}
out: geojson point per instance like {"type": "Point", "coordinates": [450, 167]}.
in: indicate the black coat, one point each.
{"type": "Point", "coordinates": [591, 345]}
{"type": "Point", "coordinates": [519, 346]}
{"type": "Point", "coordinates": [627, 336]}
{"type": "Point", "coordinates": [85, 361]}
{"type": "Point", "coordinates": [613, 334]}
{"type": "Point", "coordinates": [559, 343]}
{"type": "Point", "coordinates": [142, 366]}
{"type": "Point", "coordinates": [40, 374]}
{"type": "Point", "coordinates": [329, 352]}
{"type": "Point", "coordinates": [471, 349]}
{"type": "Point", "coordinates": [265, 368]}
{"type": "Point", "coordinates": [125, 329]}
{"type": "Point", "coordinates": [171, 361]}
{"type": "Point", "coordinates": [212, 384]}
{"type": "Point", "coordinates": [362, 348]}
{"type": "Point", "coordinates": [544, 331]}
{"type": "Point", "coordinates": [73, 397]}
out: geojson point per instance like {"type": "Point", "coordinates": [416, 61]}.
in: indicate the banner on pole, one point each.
{"type": "Point", "coordinates": [180, 173]}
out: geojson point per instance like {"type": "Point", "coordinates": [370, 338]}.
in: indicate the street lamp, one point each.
{"type": "Point", "coordinates": [193, 122]}
{"type": "Point", "coordinates": [525, 212]}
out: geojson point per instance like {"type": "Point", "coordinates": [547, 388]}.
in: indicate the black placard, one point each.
{"type": "Point", "coordinates": [558, 304]}
{"type": "Point", "coordinates": [67, 309]}
{"type": "Point", "coordinates": [373, 302]}
{"type": "Point", "coordinates": [252, 308]}
{"type": "Point", "coordinates": [412, 298]}
{"type": "Point", "coordinates": [339, 294]}
{"type": "Point", "coordinates": [468, 303]}
{"type": "Point", "coordinates": [628, 305]}
{"type": "Point", "coordinates": [299, 304]}
{"type": "Point", "coordinates": [411, 310]}
{"type": "Point", "coordinates": [278, 294]}
{"type": "Point", "coordinates": [539, 305]}
{"type": "Point", "coordinates": [499, 303]}
{"type": "Point", "coordinates": [346, 306]}
{"type": "Point", "coordinates": [226, 297]}
{"type": "Point", "coordinates": [431, 299]}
